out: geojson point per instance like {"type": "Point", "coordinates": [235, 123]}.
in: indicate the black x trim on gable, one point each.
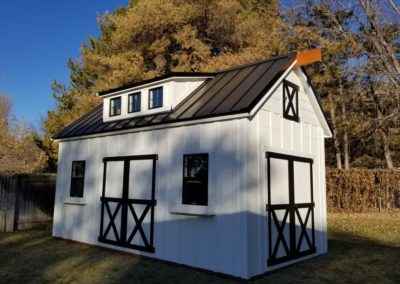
{"type": "Point", "coordinates": [290, 101]}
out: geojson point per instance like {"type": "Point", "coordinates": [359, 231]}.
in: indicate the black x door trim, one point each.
{"type": "Point", "coordinates": [292, 246]}
{"type": "Point", "coordinates": [126, 206]}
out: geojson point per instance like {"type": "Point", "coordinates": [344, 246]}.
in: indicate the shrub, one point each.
{"type": "Point", "coordinates": [361, 190]}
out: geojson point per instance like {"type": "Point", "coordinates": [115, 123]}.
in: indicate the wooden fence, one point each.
{"type": "Point", "coordinates": [362, 190]}
{"type": "Point", "coordinates": [26, 201]}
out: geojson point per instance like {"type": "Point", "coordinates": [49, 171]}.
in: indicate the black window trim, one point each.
{"type": "Point", "coordinates": [294, 117]}
{"type": "Point", "coordinates": [162, 97]}
{"type": "Point", "coordinates": [83, 182]}
{"type": "Point", "coordinates": [110, 106]}
{"type": "Point", "coordinates": [183, 177]}
{"type": "Point", "coordinates": [129, 101]}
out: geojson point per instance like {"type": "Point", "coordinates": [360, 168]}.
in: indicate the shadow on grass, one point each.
{"type": "Point", "coordinates": [35, 257]}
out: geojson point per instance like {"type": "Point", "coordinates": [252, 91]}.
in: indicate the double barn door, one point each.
{"type": "Point", "coordinates": [290, 208]}
{"type": "Point", "coordinates": [128, 202]}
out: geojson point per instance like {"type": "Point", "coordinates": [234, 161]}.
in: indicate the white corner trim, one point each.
{"type": "Point", "coordinates": [271, 90]}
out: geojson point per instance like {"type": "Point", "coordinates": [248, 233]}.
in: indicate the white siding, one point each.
{"type": "Point", "coordinates": [213, 242]}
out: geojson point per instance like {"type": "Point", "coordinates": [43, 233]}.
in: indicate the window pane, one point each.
{"type": "Point", "coordinates": [156, 97]}
{"type": "Point", "coordinates": [78, 169]}
{"type": "Point", "coordinates": [77, 187]}
{"type": "Point", "coordinates": [115, 106]}
{"type": "Point", "coordinates": [134, 102]}
{"type": "Point", "coordinates": [196, 166]}
{"type": "Point", "coordinates": [195, 179]}
{"type": "Point", "coordinates": [77, 178]}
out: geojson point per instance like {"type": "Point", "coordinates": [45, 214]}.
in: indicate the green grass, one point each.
{"type": "Point", "coordinates": [363, 248]}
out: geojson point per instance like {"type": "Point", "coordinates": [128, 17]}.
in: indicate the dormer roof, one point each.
{"type": "Point", "coordinates": [155, 79]}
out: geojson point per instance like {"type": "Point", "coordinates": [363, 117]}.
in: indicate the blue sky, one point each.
{"type": "Point", "coordinates": [36, 40]}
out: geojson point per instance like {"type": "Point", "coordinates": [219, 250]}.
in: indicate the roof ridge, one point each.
{"type": "Point", "coordinates": [241, 66]}
{"type": "Point", "coordinates": [188, 74]}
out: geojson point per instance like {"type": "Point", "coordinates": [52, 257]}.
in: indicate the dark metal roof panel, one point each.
{"type": "Point", "coordinates": [195, 96]}
{"type": "Point", "coordinates": [261, 85]}
{"type": "Point", "coordinates": [225, 93]}
{"type": "Point", "coordinates": [75, 127]}
{"type": "Point", "coordinates": [232, 91]}
{"type": "Point", "coordinates": [211, 92]}
{"type": "Point", "coordinates": [236, 95]}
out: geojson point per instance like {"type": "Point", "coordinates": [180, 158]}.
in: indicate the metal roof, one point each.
{"type": "Point", "coordinates": [233, 91]}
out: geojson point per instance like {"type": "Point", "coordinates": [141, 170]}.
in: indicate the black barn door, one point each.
{"type": "Point", "coordinates": [128, 202]}
{"type": "Point", "coordinates": [290, 208]}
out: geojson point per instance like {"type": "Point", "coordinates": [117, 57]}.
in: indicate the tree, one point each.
{"type": "Point", "coordinates": [358, 80]}
{"type": "Point", "coordinates": [153, 37]}
{"type": "Point", "coordinates": [323, 24]}
{"type": "Point", "coordinates": [381, 43]}
{"type": "Point", "coordinates": [18, 150]}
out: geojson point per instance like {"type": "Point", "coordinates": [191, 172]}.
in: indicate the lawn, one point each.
{"type": "Point", "coordinates": [363, 248]}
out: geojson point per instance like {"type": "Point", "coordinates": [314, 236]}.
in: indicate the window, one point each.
{"type": "Point", "coordinates": [77, 179]}
{"type": "Point", "coordinates": [134, 102]}
{"type": "Point", "coordinates": [195, 179]}
{"type": "Point", "coordinates": [290, 101]}
{"type": "Point", "coordinates": [115, 106]}
{"type": "Point", "coordinates": [155, 97]}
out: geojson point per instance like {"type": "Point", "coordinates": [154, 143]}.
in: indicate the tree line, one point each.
{"type": "Point", "coordinates": [358, 80]}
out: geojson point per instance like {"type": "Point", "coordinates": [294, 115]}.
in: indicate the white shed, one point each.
{"type": "Point", "coordinates": [221, 171]}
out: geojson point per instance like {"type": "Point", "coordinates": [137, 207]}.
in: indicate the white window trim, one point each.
{"type": "Point", "coordinates": [71, 199]}
{"type": "Point", "coordinates": [176, 206]}
{"type": "Point", "coordinates": [75, 201]}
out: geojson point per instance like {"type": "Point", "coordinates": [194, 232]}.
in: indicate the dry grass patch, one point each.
{"type": "Point", "coordinates": [363, 248]}
{"type": "Point", "coordinates": [377, 228]}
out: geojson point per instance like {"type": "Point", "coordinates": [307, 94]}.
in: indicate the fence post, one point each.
{"type": "Point", "coordinates": [2, 205]}
{"type": "Point", "coordinates": [19, 179]}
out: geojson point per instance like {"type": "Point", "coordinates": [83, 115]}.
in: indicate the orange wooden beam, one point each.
{"type": "Point", "coordinates": [309, 56]}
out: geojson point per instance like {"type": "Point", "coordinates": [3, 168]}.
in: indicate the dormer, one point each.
{"type": "Point", "coordinates": [152, 96]}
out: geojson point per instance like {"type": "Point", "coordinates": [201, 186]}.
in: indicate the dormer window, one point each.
{"type": "Point", "coordinates": [134, 102]}
{"type": "Point", "coordinates": [115, 106]}
{"type": "Point", "coordinates": [290, 101]}
{"type": "Point", "coordinates": [148, 97]}
{"type": "Point", "coordinates": [155, 98]}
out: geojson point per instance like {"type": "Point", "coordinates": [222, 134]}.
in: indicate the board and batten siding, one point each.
{"type": "Point", "coordinates": [215, 241]}
{"type": "Point", "coordinates": [270, 132]}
